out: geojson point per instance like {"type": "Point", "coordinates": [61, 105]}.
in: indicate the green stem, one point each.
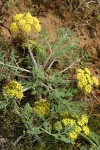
{"type": "Point", "coordinates": [47, 60]}
{"type": "Point", "coordinates": [22, 76]}
{"type": "Point", "coordinates": [31, 55]}
{"type": "Point", "coordinates": [51, 64]}
{"type": "Point", "coordinates": [88, 139]}
{"type": "Point", "coordinates": [28, 88]}
{"type": "Point", "coordinates": [21, 69]}
{"type": "Point", "coordinates": [70, 66]}
{"type": "Point", "coordinates": [37, 138]}
{"type": "Point", "coordinates": [47, 132]}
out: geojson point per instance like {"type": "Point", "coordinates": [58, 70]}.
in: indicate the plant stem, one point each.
{"type": "Point", "coordinates": [37, 138]}
{"type": "Point", "coordinates": [18, 139]}
{"type": "Point", "coordinates": [22, 76]}
{"type": "Point", "coordinates": [47, 132]}
{"type": "Point", "coordinates": [47, 60]}
{"type": "Point", "coordinates": [88, 139]}
{"type": "Point", "coordinates": [31, 55]}
{"type": "Point", "coordinates": [49, 47]}
{"type": "Point", "coordinates": [21, 69]}
{"type": "Point", "coordinates": [28, 88]}
{"type": "Point", "coordinates": [47, 88]}
{"type": "Point", "coordinates": [50, 65]}
{"type": "Point", "coordinates": [70, 66]}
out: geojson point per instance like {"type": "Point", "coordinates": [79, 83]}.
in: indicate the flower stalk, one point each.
{"type": "Point", "coordinates": [88, 139]}
{"type": "Point", "coordinates": [78, 60]}
{"type": "Point", "coordinates": [16, 68]}
{"type": "Point", "coordinates": [31, 55]}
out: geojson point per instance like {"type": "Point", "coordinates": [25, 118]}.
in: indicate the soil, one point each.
{"type": "Point", "coordinates": [82, 18]}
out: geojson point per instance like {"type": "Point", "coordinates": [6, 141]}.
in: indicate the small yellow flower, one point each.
{"type": "Point", "coordinates": [22, 23]}
{"type": "Point", "coordinates": [14, 27]}
{"type": "Point", "coordinates": [35, 20]}
{"type": "Point", "coordinates": [84, 81]}
{"type": "Point", "coordinates": [78, 129]}
{"type": "Point", "coordinates": [80, 85]}
{"type": "Point", "coordinates": [9, 92]}
{"type": "Point", "coordinates": [89, 79]}
{"type": "Point", "coordinates": [25, 22]}
{"type": "Point", "coordinates": [29, 18]}
{"type": "Point", "coordinates": [95, 81]}
{"type": "Point", "coordinates": [88, 89]}
{"type": "Point", "coordinates": [63, 113]}
{"type": "Point", "coordinates": [84, 118]}
{"type": "Point", "coordinates": [80, 122]}
{"type": "Point", "coordinates": [58, 126]}
{"type": "Point", "coordinates": [80, 76]}
{"type": "Point", "coordinates": [73, 135]}
{"type": "Point", "coordinates": [86, 130]}
{"type": "Point", "coordinates": [14, 89]}
{"type": "Point", "coordinates": [19, 95]}
{"type": "Point", "coordinates": [68, 121]}
{"type": "Point", "coordinates": [80, 71]}
{"type": "Point", "coordinates": [36, 27]}
{"type": "Point", "coordinates": [87, 71]}
{"type": "Point", "coordinates": [42, 111]}
{"type": "Point", "coordinates": [26, 28]}
{"type": "Point", "coordinates": [42, 107]}
{"type": "Point", "coordinates": [18, 17]}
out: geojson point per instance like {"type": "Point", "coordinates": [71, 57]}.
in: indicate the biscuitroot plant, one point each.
{"type": "Point", "coordinates": [49, 80]}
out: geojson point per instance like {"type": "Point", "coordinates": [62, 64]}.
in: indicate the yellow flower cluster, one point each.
{"type": "Point", "coordinates": [14, 89]}
{"type": "Point", "coordinates": [25, 22]}
{"type": "Point", "coordinates": [83, 120]}
{"type": "Point", "coordinates": [82, 123]}
{"type": "Point", "coordinates": [73, 135]}
{"type": "Point", "coordinates": [63, 113]}
{"type": "Point", "coordinates": [32, 43]}
{"type": "Point", "coordinates": [79, 126]}
{"type": "Point", "coordinates": [85, 81]}
{"type": "Point", "coordinates": [95, 81]}
{"type": "Point", "coordinates": [86, 130]}
{"type": "Point", "coordinates": [68, 121]}
{"type": "Point", "coordinates": [42, 107]}
{"type": "Point", "coordinates": [58, 126]}
{"type": "Point", "coordinates": [78, 129]}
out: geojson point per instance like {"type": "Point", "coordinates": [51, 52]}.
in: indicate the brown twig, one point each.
{"type": "Point", "coordinates": [18, 139]}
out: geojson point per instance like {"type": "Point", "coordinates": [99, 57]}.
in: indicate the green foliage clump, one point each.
{"type": "Point", "coordinates": [11, 3]}
{"type": "Point", "coordinates": [53, 109]}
